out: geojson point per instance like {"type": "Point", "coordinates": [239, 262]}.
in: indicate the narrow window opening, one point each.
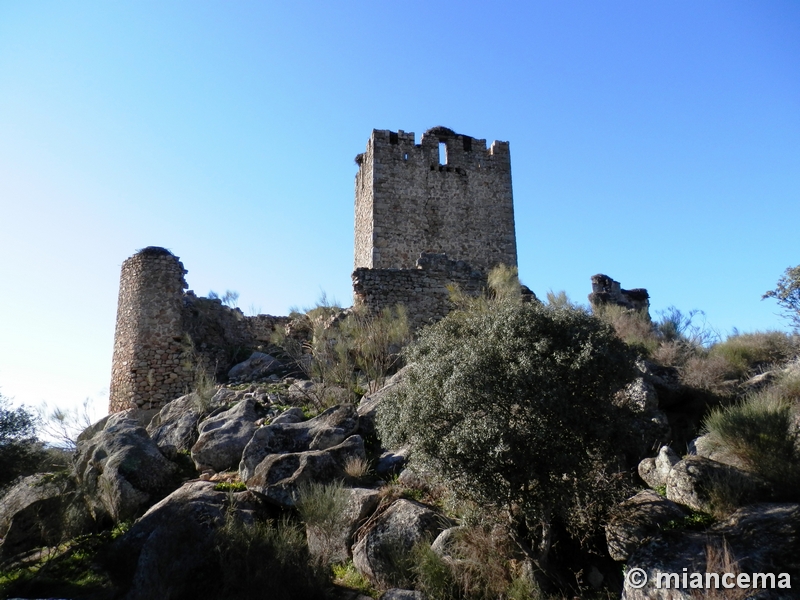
{"type": "Point", "coordinates": [405, 155]}
{"type": "Point", "coordinates": [442, 153]}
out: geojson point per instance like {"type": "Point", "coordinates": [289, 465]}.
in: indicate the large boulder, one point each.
{"type": "Point", "coordinates": [120, 470]}
{"type": "Point", "coordinates": [382, 553]}
{"type": "Point", "coordinates": [762, 538]}
{"type": "Point", "coordinates": [224, 436]}
{"type": "Point", "coordinates": [334, 546]}
{"type": "Point", "coordinates": [258, 366]}
{"type": "Point", "coordinates": [41, 510]}
{"type": "Point", "coordinates": [708, 486]}
{"type": "Point", "coordinates": [328, 429]}
{"type": "Point", "coordinates": [279, 476]}
{"type": "Point", "coordinates": [169, 551]}
{"type": "Point", "coordinates": [636, 519]}
{"type": "Point", "coordinates": [176, 424]}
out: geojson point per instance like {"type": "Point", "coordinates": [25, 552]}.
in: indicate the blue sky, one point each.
{"type": "Point", "coordinates": [657, 142]}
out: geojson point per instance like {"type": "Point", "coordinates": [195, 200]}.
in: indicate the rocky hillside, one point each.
{"type": "Point", "coordinates": [277, 486]}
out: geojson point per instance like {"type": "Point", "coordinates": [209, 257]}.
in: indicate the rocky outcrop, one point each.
{"type": "Point", "coordinates": [175, 425]}
{"type": "Point", "coordinates": [168, 551]}
{"type": "Point", "coordinates": [224, 436]}
{"type": "Point", "coordinates": [654, 471]}
{"type": "Point", "coordinates": [704, 485]}
{"type": "Point", "coordinates": [335, 545]}
{"type": "Point", "coordinates": [380, 553]}
{"type": "Point", "coordinates": [120, 470]}
{"type": "Point", "coordinates": [368, 406]}
{"type": "Point", "coordinates": [278, 477]}
{"type": "Point", "coordinates": [329, 429]}
{"type": "Point", "coordinates": [762, 538]}
{"type": "Point", "coordinates": [636, 519]}
{"type": "Point", "coordinates": [41, 510]}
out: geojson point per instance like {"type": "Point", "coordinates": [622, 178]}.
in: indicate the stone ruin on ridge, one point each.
{"type": "Point", "coordinates": [426, 215]}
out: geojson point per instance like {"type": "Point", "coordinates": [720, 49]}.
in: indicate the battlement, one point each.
{"type": "Point", "coordinates": [448, 194]}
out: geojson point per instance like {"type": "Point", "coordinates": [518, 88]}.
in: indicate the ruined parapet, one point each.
{"type": "Point", "coordinates": [447, 194]}
{"type": "Point", "coordinates": [423, 290]}
{"type": "Point", "coordinates": [606, 291]}
{"type": "Point", "coordinates": [150, 364]}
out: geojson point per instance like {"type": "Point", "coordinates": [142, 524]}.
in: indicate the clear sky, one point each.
{"type": "Point", "coordinates": [657, 142]}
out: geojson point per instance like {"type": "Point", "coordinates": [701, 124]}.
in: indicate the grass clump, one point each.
{"type": "Point", "coordinates": [269, 557]}
{"type": "Point", "coordinates": [634, 327]}
{"type": "Point", "coordinates": [346, 575]}
{"type": "Point", "coordinates": [353, 350]}
{"type": "Point", "coordinates": [321, 507]}
{"type": "Point", "coordinates": [746, 352]}
{"type": "Point", "coordinates": [481, 563]}
{"type": "Point", "coordinates": [761, 433]}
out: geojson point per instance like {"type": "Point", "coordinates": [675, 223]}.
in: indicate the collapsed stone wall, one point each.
{"type": "Point", "coordinates": [414, 198]}
{"type": "Point", "coordinates": [164, 335]}
{"type": "Point", "coordinates": [422, 290]}
{"type": "Point", "coordinates": [606, 291]}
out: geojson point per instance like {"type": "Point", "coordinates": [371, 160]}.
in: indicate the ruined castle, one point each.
{"type": "Point", "coordinates": [427, 215]}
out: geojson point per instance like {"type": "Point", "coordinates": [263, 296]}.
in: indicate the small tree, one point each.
{"type": "Point", "coordinates": [20, 451]}
{"type": "Point", "coordinates": [513, 407]}
{"type": "Point", "coordinates": [787, 293]}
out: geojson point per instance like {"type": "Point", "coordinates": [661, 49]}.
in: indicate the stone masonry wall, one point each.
{"type": "Point", "coordinates": [422, 290]}
{"type": "Point", "coordinates": [408, 202]}
{"type": "Point", "coordinates": [606, 291]}
{"type": "Point", "coordinates": [149, 365]}
{"type": "Point", "coordinates": [164, 335]}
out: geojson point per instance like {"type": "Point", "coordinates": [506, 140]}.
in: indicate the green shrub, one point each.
{"type": "Point", "coordinates": [21, 453]}
{"type": "Point", "coordinates": [263, 558]}
{"type": "Point", "coordinates": [760, 432]}
{"type": "Point", "coordinates": [321, 507]}
{"type": "Point", "coordinates": [634, 327]}
{"type": "Point", "coordinates": [512, 407]}
{"type": "Point", "coordinates": [746, 352]}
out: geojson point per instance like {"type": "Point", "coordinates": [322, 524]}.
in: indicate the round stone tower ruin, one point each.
{"type": "Point", "coordinates": [152, 357]}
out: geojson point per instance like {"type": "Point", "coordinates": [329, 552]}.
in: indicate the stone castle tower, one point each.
{"type": "Point", "coordinates": [428, 216]}
{"type": "Point", "coordinates": [166, 335]}
{"type": "Point", "coordinates": [448, 194]}
{"type": "Point", "coordinates": [149, 366]}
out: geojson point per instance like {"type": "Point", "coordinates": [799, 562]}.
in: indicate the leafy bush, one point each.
{"type": "Point", "coordinates": [761, 433]}
{"type": "Point", "coordinates": [512, 407]}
